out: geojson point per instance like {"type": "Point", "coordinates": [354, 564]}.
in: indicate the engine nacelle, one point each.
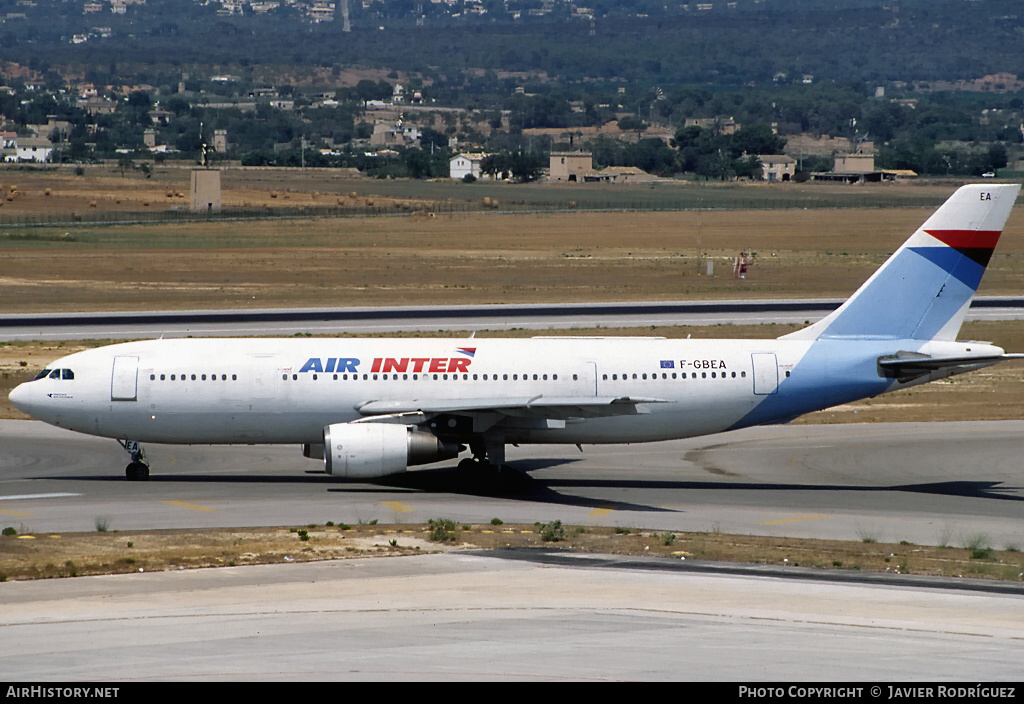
{"type": "Point", "coordinates": [367, 450]}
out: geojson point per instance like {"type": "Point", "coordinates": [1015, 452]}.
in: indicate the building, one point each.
{"type": "Point", "coordinates": [570, 166]}
{"type": "Point", "coordinates": [463, 165]}
{"type": "Point", "coordinates": [205, 191]}
{"type": "Point", "coordinates": [37, 149]}
{"type": "Point", "coordinates": [719, 125]}
{"type": "Point", "coordinates": [860, 168]}
{"type": "Point", "coordinates": [619, 174]}
{"type": "Point", "coordinates": [854, 163]}
{"type": "Point", "coordinates": [777, 167]}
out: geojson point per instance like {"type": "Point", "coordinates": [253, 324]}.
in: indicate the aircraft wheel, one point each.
{"type": "Point", "coordinates": [137, 471]}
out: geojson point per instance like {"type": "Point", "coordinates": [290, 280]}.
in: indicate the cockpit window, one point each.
{"type": "Point", "coordinates": [56, 374]}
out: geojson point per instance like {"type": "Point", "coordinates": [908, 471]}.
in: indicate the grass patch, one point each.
{"type": "Point", "coordinates": [104, 553]}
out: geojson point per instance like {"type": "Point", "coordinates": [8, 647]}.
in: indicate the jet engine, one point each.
{"type": "Point", "coordinates": [368, 450]}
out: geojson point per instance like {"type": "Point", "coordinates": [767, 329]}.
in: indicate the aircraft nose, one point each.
{"type": "Point", "coordinates": [21, 398]}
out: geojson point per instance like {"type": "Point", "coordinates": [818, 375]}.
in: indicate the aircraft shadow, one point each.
{"type": "Point", "coordinates": [976, 489]}
{"type": "Point", "coordinates": [517, 484]}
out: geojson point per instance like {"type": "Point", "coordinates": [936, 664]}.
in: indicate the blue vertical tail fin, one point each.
{"type": "Point", "coordinates": [924, 289]}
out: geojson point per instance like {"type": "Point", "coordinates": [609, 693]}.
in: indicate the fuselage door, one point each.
{"type": "Point", "coordinates": [592, 368]}
{"type": "Point", "coordinates": [766, 373]}
{"type": "Point", "coordinates": [124, 380]}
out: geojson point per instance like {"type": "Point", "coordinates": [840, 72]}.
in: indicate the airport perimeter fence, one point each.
{"type": "Point", "coordinates": [635, 201]}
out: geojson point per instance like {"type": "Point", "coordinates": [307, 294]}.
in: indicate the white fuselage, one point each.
{"type": "Point", "coordinates": [289, 390]}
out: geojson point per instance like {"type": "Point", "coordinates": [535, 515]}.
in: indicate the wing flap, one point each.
{"type": "Point", "coordinates": [562, 407]}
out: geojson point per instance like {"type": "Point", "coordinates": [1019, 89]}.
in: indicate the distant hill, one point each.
{"type": "Point", "coordinates": [717, 43]}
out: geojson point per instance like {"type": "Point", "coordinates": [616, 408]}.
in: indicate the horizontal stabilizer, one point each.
{"type": "Point", "coordinates": [906, 365]}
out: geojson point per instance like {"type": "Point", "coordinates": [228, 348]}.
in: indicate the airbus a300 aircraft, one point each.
{"type": "Point", "coordinates": [374, 407]}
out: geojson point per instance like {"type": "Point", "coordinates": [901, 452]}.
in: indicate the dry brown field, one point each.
{"type": "Point", "coordinates": [418, 259]}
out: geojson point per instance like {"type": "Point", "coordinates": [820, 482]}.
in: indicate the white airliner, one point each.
{"type": "Point", "coordinates": [374, 407]}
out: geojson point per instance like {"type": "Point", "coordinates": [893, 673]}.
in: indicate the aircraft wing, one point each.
{"type": "Point", "coordinates": [555, 407]}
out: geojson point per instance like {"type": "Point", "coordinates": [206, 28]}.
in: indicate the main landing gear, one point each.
{"type": "Point", "coordinates": [138, 468]}
{"type": "Point", "coordinates": [488, 454]}
{"type": "Point", "coordinates": [487, 472]}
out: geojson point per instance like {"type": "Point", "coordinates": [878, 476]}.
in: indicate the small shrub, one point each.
{"type": "Point", "coordinates": [867, 535]}
{"type": "Point", "coordinates": [497, 522]}
{"type": "Point", "coordinates": [442, 530]}
{"type": "Point", "coordinates": [10, 531]}
{"type": "Point", "coordinates": [668, 539]}
{"type": "Point", "coordinates": [303, 534]}
{"type": "Point", "coordinates": [552, 532]}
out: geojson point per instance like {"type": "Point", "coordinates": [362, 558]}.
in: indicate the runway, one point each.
{"type": "Point", "coordinates": [928, 483]}
{"type": "Point", "coordinates": [484, 616]}
{"type": "Point", "coordinates": [384, 320]}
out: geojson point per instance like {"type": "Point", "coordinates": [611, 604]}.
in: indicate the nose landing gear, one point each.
{"type": "Point", "coordinates": [138, 468]}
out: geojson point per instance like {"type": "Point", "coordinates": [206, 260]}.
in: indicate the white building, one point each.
{"type": "Point", "coordinates": [462, 165]}
{"type": "Point", "coordinates": [37, 149]}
